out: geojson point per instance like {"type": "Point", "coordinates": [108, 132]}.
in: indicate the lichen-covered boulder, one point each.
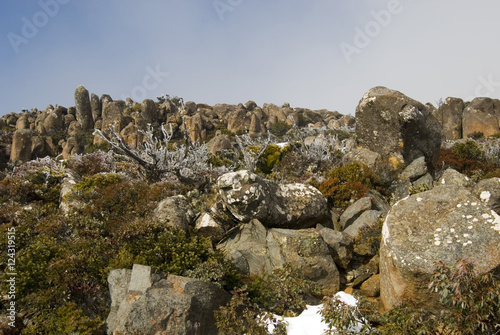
{"type": "Point", "coordinates": [397, 127]}
{"type": "Point", "coordinates": [83, 108]}
{"type": "Point", "coordinates": [149, 302]}
{"type": "Point", "coordinates": [175, 211]}
{"type": "Point", "coordinates": [445, 224]}
{"type": "Point", "coordinates": [255, 250]}
{"type": "Point", "coordinates": [482, 115]}
{"type": "Point", "coordinates": [488, 190]}
{"type": "Point", "coordinates": [296, 206]}
{"type": "Point", "coordinates": [450, 115]}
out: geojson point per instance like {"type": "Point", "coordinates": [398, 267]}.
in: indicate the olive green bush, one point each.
{"type": "Point", "coordinates": [471, 305]}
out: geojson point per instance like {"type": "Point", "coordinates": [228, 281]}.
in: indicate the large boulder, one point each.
{"type": "Point", "coordinates": [146, 301]}
{"type": "Point", "coordinates": [21, 146]}
{"type": "Point", "coordinates": [482, 115]}
{"type": "Point", "coordinates": [247, 196]}
{"type": "Point", "coordinates": [397, 127]}
{"type": "Point", "coordinates": [83, 108]}
{"type": "Point", "coordinates": [488, 190]}
{"type": "Point", "coordinates": [450, 115]}
{"type": "Point", "coordinates": [445, 224]}
{"type": "Point", "coordinates": [255, 250]}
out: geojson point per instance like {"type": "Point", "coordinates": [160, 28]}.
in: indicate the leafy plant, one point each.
{"type": "Point", "coordinates": [283, 291]}
{"type": "Point", "coordinates": [242, 316]}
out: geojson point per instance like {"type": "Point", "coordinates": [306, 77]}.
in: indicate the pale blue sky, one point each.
{"type": "Point", "coordinates": [310, 53]}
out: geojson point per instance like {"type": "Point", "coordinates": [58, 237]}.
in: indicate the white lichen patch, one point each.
{"type": "Point", "coordinates": [470, 227]}
{"type": "Point", "coordinates": [452, 230]}
{"type": "Point", "coordinates": [459, 205]}
{"type": "Point", "coordinates": [419, 199]}
{"type": "Point", "coordinates": [469, 216]}
{"type": "Point", "coordinates": [466, 235]}
{"type": "Point", "coordinates": [475, 220]}
{"type": "Point", "coordinates": [486, 216]}
{"type": "Point", "coordinates": [439, 229]}
{"type": "Point", "coordinates": [496, 223]}
{"type": "Point", "coordinates": [485, 196]}
{"type": "Point", "coordinates": [437, 243]}
{"type": "Point", "coordinates": [474, 204]}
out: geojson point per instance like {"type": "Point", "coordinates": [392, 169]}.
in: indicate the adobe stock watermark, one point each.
{"type": "Point", "coordinates": [151, 80]}
{"type": "Point", "coordinates": [486, 87]}
{"type": "Point", "coordinates": [11, 276]}
{"type": "Point", "coordinates": [31, 26]}
{"type": "Point", "coordinates": [364, 36]}
{"type": "Point", "coordinates": [224, 6]}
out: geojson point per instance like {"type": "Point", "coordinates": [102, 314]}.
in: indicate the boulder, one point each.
{"type": "Point", "coordinates": [488, 190]}
{"type": "Point", "coordinates": [453, 177]}
{"type": "Point", "coordinates": [207, 226]}
{"type": "Point", "coordinates": [416, 169]}
{"type": "Point", "coordinates": [445, 224]}
{"type": "Point", "coordinates": [354, 211]}
{"type": "Point", "coordinates": [83, 108]}
{"type": "Point", "coordinates": [175, 211]}
{"type": "Point", "coordinates": [482, 115]}
{"type": "Point", "coordinates": [96, 107]}
{"type": "Point", "coordinates": [21, 146]}
{"type": "Point", "coordinates": [340, 245]}
{"type": "Point", "coordinates": [149, 111]}
{"type": "Point", "coordinates": [111, 114]}
{"type": "Point", "coordinates": [366, 219]}
{"type": "Point", "coordinates": [371, 287]}
{"type": "Point", "coordinates": [54, 120]}
{"type": "Point", "coordinates": [255, 250]}
{"type": "Point", "coordinates": [450, 115]}
{"type": "Point", "coordinates": [397, 127]}
{"type": "Point", "coordinates": [149, 302]}
{"type": "Point", "coordinates": [247, 196]}
{"type": "Point", "coordinates": [219, 143]}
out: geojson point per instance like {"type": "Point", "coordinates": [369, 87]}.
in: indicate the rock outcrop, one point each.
{"type": "Point", "coordinates": [398, 128]}
{"type": "Point", "coordinates": [482, 115]}
{"type": "Point", "coordinates": [175, 211]}
{"type": "Point", "coordinates": [83, 108]}
{"type": "Point", "coordinates": [248, 196]}
{"type": "Point", "coordinates": [148, 302]}
{"type": "Point", "coordinates": [445, 224]}
{"type": "Point", "coordinates": [255, 250]}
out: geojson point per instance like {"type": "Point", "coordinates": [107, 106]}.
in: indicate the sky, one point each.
{"type": "Point", "coordinates": [317, 54]}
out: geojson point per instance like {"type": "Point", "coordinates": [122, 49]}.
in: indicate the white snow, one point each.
{"type": "Point", "coordinates": [309, 321]}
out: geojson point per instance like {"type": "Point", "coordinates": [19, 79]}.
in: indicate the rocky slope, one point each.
{"type": "Point", "coordinates": [304, 190]}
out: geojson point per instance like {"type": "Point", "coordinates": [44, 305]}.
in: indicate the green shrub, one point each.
{"type": "Point", "coordinates": [367, 242]}
{"type": "Point", "coordinates": [468, 150]}
{"type": "Point", "coordinates": [346, 184]}
{"type": "Point", "coordinates": [467, 158]}
{"type": "Point", "coordinates": [342, 318]}
{"type": "Point", "coordinates": [279, 129]}
{"type": "Point", "coordinates": [242, 316]}
{"type": "Point", "coordinates": [67, 319]}
{"type": "Point", "coordinates": [283, 291]}
{"type": "Point", "coordinates": [471, 306]}
{"type": "Point", "coordinates": [271, 157]}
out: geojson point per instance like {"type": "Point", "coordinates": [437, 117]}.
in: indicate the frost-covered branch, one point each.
{"type": "Point", "coordinates": [252, 150]}
{"type": "Point", "coordinates": [186, 161]}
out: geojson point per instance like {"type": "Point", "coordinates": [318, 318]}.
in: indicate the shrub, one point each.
{"type": "Point", "coordinates": [471, 306]}
{"type": "Point", "coordinates": [93, 163]}
{"type": "Point", "coordinates": [346, 184]}
{"type": "Point", "coordinates": [467, 158]}
{"type": "Point", "coordinates": [279, 129]}
{"type": "Point", "coordinates": [242, 316]}
{"type": "Point", "coordinates": [342, 318]}
{"type": "Point", "coordinates": [473, 300]}
{"type": "Point", "coordinates": [271, 157]}
{"type": "Point", "coordinates": [468, 150]}
{"type": "Point", "coordinates": [283, 291]}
